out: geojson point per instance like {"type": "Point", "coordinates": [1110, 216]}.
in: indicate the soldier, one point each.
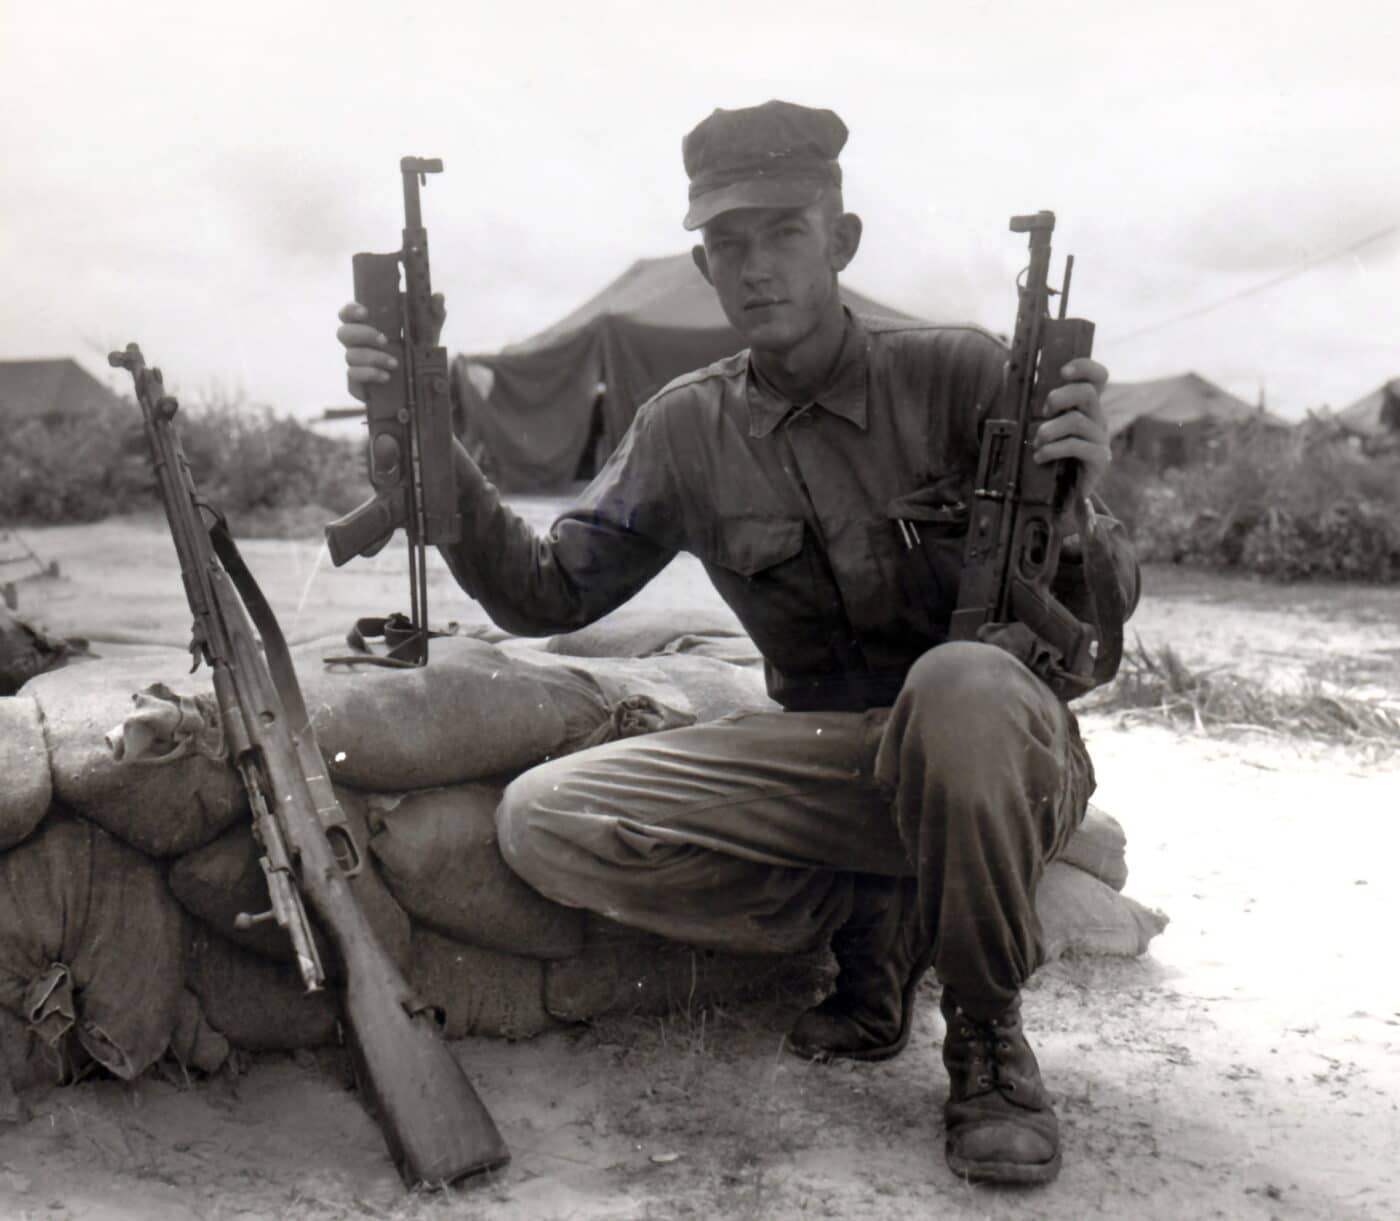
{"type": "Point", "coordinates": [905, 802]}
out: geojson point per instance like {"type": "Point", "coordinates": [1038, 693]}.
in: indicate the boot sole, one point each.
{"type": "Point", "coordinates": [1004, 1174]}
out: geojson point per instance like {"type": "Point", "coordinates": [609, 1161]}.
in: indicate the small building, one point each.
{"type": "Point", "coordinates": [1171, 421]}
{"type": "Point", "coordinates": [1375, 419]}
{"type": "Point", "coordinates": [52, 391]}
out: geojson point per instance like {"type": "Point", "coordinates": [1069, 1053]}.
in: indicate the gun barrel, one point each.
{"type": "Point", "coordinates": [414, 171]}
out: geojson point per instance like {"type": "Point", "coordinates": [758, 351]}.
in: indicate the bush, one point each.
{"type": "Point", "coordinates": [263, 470]}
{"type": "Point", "coordinates": [70, 471]}
{"type": "Point", "coordinates": [248, 461]}
{"type": "Point", "coordinates": [1289, 505]}
{"type": "Point", "coordinates": [1127, 488]}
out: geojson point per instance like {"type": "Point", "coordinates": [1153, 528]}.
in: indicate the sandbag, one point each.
{"type": "Point", "coordinates": [194, 1043]}
{"type": "Point", "coordinates": [438, 853]}
{"type": "Point", "coordinates": [472, 712]}
{"type": "Point", "coordinates": [91, 946]}
{"type": "Point", "coordinates": [255, 1003]}
{"type": "Point", "coordinates": [638, 632]}
{"type": "Point", "coordinates": [25, 786]}
{"type": "Point", "coordinates": [22, 1067]}
{"type": "Point", "coordinates": [159, 808]}
{"type": "Point", "coordinates": [1079, 915]}
{"type": "Point", "coordinates": [1099, 847]}
{"type": "Point", "coordinates": [625, 970]}
{"type": "Point", "coordinates": [714, 687]}
{"type": "Point", "coordinates": [27, 1064]}
{"type": "Point", "coordinates": [703, 687]}
{"type": "Point", "coordinates": [479, 992]}
{"type": "Point", "coordinates": [223, 878]}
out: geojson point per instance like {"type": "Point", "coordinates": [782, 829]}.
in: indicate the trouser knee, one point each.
{"type": "Point", "coordinates": [960, 684]}
{"type": "Point", "coordinates": [521, 825]}
{"type": "Point", "coordinates": [974, 740]}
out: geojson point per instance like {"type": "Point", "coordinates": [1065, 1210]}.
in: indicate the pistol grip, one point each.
{"type": "Point", "coordinates": [365, 530]}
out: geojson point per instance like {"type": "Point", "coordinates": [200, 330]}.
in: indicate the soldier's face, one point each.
{"type": "Point", "coordinates": [774, 271]}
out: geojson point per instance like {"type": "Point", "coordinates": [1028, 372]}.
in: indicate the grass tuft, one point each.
{"type": "Point", "coordinates": [1160, 686]}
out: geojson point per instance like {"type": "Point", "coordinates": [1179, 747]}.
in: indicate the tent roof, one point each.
{"type": "Point", "coordinates": [667, 292]}
{"type": "Point", "coordinates": [34, 389]}
{"type": "Point", "coordinates": [1170, 400]}
{"type": "Point", "coordinates": [1364, 415]}
{"type": "Point", "coordinates": [546, 411]}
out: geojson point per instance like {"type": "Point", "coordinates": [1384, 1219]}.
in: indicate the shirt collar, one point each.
{"type": "Point", "coordinates": [843, 394]}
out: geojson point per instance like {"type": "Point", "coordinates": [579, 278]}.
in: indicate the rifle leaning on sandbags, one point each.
{"type": "Point", "coordinates": [436, 1127]}
{"type": "Point", "coordinates": [1020, 506]}
{"type": "Point", "coordinates": [410, 422]}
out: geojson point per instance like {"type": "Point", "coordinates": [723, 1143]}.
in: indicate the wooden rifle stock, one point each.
{"type": "Point", "coordinates": [435, 1125]}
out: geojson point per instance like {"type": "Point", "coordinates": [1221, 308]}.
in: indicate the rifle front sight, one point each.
{"type": "Point", "coordinates": [1036, 220]}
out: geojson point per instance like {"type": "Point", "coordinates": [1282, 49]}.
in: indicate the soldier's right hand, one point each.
{"type": "Point", "coordinates": [366, 359]}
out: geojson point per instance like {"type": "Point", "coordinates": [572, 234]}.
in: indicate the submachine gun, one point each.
{"type": "Point", "coordinates": [1019, 506]}
{"type": "Point", "coordinates": [436, 1127]}
{"type": "Point", "coordinates": [410, 422]}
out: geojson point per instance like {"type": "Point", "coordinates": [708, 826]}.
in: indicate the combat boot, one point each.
{"type": "Point", "coordinates": [868, 1015]}
{"type": "Point", "coordinates": [1001, 1126]}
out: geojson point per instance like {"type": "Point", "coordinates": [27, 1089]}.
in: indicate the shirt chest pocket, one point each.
{"type": "Point", "coordinates": [927, 532]}
{"type": "Point", "coordinates": [750, 546]}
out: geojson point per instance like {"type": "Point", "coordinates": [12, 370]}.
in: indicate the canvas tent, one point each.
{"type": "Point", "coordinates": [545, 412]}
{"type": "Point", "coordinates": [1169, 421]}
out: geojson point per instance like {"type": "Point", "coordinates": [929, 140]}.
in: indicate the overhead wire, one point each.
{"type": "Point", "coordinates": [1271, 282]}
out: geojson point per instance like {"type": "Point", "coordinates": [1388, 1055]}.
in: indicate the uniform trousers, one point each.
{"type": "Point", "coordinates": [748, 833]}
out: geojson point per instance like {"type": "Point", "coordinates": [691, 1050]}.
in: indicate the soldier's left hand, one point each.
{"type": "Point", "coordinates": [1074, 426]}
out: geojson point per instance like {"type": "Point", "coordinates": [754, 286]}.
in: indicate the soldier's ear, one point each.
{"type": "Point", "coordinates": [845, 239]}
{"type": "Point", "coordinates": [702, 263]}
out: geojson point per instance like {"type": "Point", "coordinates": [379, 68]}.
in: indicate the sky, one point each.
{"type": "Point", "coordinates": [196, 176]}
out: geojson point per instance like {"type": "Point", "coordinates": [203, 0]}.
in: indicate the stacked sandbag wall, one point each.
{"type": "Point", "coordinates": [126, 857]}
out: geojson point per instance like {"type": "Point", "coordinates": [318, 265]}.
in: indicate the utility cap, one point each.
{"type": "Point", "coordinates": [778, 155]}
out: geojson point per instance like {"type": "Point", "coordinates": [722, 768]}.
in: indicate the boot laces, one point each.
{"type": "Point", "coordinates": [989, 1051]}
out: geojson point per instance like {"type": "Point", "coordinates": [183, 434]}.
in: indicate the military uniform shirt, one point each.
{"type": "Point", "coordinates": [833, 528]}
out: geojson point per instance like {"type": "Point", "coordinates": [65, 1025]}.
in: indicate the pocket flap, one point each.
{"type": "Point", "coordinates": [748, 545]}
{"type": "Point", "coordinates": [934, 503]}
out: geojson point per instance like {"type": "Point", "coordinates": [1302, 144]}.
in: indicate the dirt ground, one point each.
{"type": "Point", "coordinates": [1248, 1067]}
